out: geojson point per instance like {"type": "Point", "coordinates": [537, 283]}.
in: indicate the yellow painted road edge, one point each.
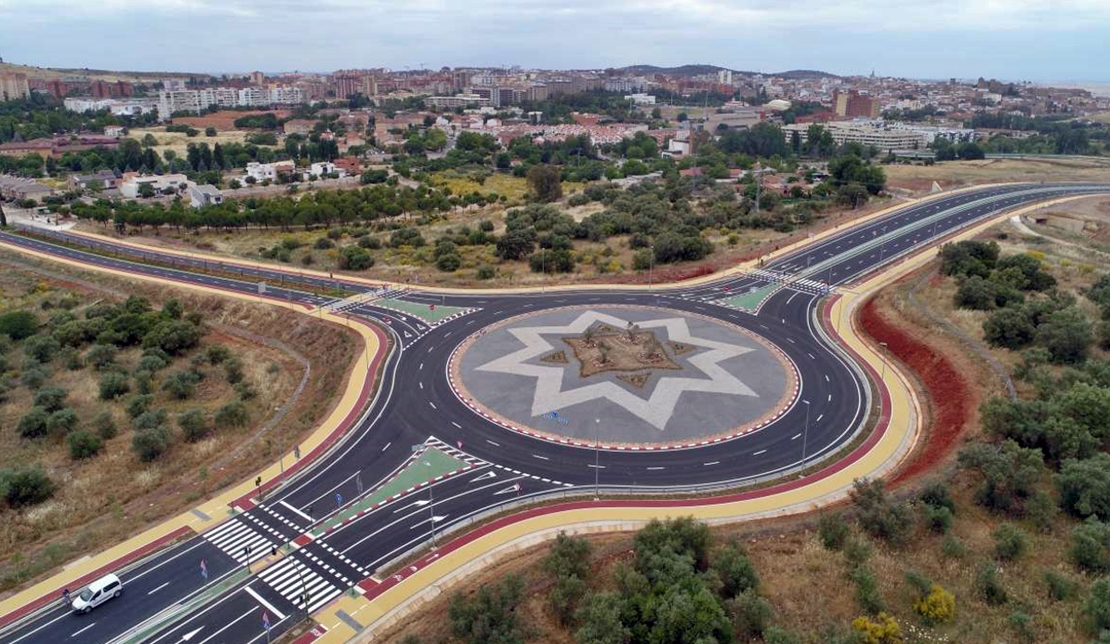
{"type": "Point", "coordinates": [409, 595]}
{"type": "Point", "coordinates": [217, 508]}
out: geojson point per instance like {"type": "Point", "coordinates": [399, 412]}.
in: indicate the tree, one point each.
{"type": "Point", "coordinates": [1084, 486]}
{"type": "Point", "coordinates": [1067, 334]}
{"type": "Point", "coordinates": [354, 258]}
{"type": "Point", "coordinates": [33, 424]}
{"type": "Point", "coordinates": [150, 444]}
{"type": "Point", "coordinates": [490, 615]}
{"type": "Point", "coordinates": [209, 131]}
{"type": "Point", "coordinates": [568, 560]}
{"type": "Point", "coordinates": [1010, 542]}
{"type": "Point", "coordinates": [194, 426]}
{"type": "Point", "coordinates": [83, 445]}
{"type": "Point", "coordinates": [737, 573]}
{"type": "Point", "coordinates": [832, 530]}
{"type": "Point", "coordinates": [545, 181]}
{"type": "Point", "coordinates": [113, 385]}
{"type": "Point", "coordinates": [18, 325]}
{"type": "Point", "coordinates": [172, 336]}
{"type": "Point", "coordinates": [24, 487]}
{"type": "Point", "coordinates": [50, 398]}
{"type": "Point", "coordinates": [146, 190]}
{"type": "Point", "coordinates": [977, 294]}
{"type": "Point", "coordinates": [751, 614]}
{"type": "Point", "coordinates": [1097, 606]}
{"type": "Point", "coordinates": [600, 619]}
{"type": "Point", "coordinates": [3, 217]}
{"type": "Point", "coordinates": [233, 414]}
{"type": "Point", "coordinates": [877, 515]}
{"type": "Point", "coordinates": [1090, 546]}
{"type": "Point", "coordinates": [1009, 327]}
{"type": "Point", "coordinates": [1009, 472]}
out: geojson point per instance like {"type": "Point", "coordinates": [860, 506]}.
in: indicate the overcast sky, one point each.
{"type": "Point", "coordinates": [1038, 40]}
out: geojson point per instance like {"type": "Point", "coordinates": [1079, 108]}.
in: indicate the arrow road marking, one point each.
{"type": "Point", "coordinates": [435, 519]}
{"type": "Point", "coordinates": [488, 475]}
{"type": "Point", "coordinates": [512, 488]}
{"type": "Point", "coordinates": [417, 504]}
{"type": "Point", "coordinates": [188, 636]}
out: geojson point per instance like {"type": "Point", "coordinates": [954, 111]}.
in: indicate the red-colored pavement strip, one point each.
{"type": "Point", "coordinates": [126, 559]}
{"type": "Point", "coordinates": [316, 633]}
{"type": "Point", "coordinates": [374, 588]}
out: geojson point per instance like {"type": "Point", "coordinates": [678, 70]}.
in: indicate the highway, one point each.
{"type": "Point", "coordinates": [167, 599]}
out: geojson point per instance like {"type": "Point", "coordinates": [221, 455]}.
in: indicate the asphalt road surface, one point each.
{"type": "Point", "coordinates": [415, 402]}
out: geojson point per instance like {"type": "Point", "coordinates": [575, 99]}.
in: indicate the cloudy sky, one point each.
{"type": "Point", "coordinates": [1038, 40]}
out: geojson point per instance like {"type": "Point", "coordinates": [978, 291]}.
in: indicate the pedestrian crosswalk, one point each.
{"type": "Point", "coordinates": [301, 584]}
{"type": "Point", "coordinates": [245, 539]}
{"type": "Point", "coordinates": [808, 286]}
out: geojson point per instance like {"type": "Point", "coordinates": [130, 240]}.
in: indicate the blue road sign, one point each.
{"type": "Point", "coordinates": [339, 498]}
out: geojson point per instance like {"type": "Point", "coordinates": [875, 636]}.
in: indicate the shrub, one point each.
{"type": "Point", "coordinates": [101, 356]}
{"type": "Point", "coordinates": [857, 551]}
{"type": "Point", "coordinates": [245, 391]}
{"type": "Point", "coordinates": [27, 486]}
{"type": "Point", "coordinates": [34, 375]}
{"type": "Point", "coordinates": [42, 348]}
{"type": "Point", "coordinates": [182, 385]}
{"type": "Point", "coordinates": [34, 423]}
{"type": "Point", "coordinates": [448, 262]}
{"type": "Point", "coordinates": [867, 591]}
{"type": "Point", "coordinates": [18, 325]}
{"type": "Point", "coordinates": [1084, 486]}
{"type": "Point", "coordinates": [50, 398]}
{"type": "Point", "coordinates": [736, 571]}
{"type": "Point", "coordinates": [113, 385]}
{"type": "Point", "coordinates": [150, 444]}
{"type": "Point", "coordinates": [62, 421]}
{"type": "Point", "coordinates": [878, 516]}
{"type": "Point", "coordinates": [151, 362]}
{"type": "Point", "coordinates": [194, 426]}
{"type": "Point", "coordinates": [938, 607]}
{"type": "Point", "coordinates": [233, 414]}
{"type": "Point", "coordinates": [1090, 546]}
{"type": "Point", "coordinates": [486, 273]}
{"type": "Point", "coordinates": [989, 587]}
{"type": "Point", "coordinates": [149, 420]}
{"type": "Point", "coordinates": [751, 614]}
{"type": "Point", "coordinates": [1097, 606]}
{"type": "Point", "coordinates": [139, 405]}
{"type": "Point", "coordinates": [217, 353]}
{"type": "Point", "coordinates": [939, 519]}
{"type": "Point", "coordinates": [883, 630]}
{"type": "Point", "coordinates": [83, 445]}
{"type": "Point", "coordinates": [952, 547]}
{"type": "Point", "coordinates": [105, 425]}
{"type": "Point", "coordinates": [369, 243]}
{"type": "Point", "coordinates": [833, 531]}
{"type": "Point", "coordinates": [935, 494]}
{"type": "Point", "coordinates": [1059, 587]}
{"type": "Point", "coordinates": [1010, 542]}
{"type": "Point", "coordinates": [354, 258]}
{"type": "Point", "coordinates": [173, 336]}
{"type": "Point", "coordinates": [323, 243]}
{"type": "Point", "coordinates": [490, 615]}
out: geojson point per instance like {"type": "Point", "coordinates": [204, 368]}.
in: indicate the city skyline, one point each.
{"type": "Point", "coordinates": [961, 38]}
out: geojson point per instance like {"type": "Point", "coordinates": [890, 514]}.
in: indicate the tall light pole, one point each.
{"type": "Point", "coordinates": [805, 435]}
{"type": "Point", "coordinates": [543, 268]}
{"type": "Point", "coordinates": [432, 516]}
{"type": "Point", "coordinates": [597, 455]}
{"type": "Point", "coordinates": [651, 265]}
{"type": "Point", "coordinates": [883, 358]}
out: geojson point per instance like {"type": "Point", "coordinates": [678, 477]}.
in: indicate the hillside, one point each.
{"type": "Point", "coordinates": [50, 73]}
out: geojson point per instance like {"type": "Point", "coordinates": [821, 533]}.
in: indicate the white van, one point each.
{"type": "Point", "coordinates": [97, 593]}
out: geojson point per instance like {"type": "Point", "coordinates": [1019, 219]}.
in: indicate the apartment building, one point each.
{"type": "Point", "coordinates": [459, 100]}
{"type": "Point", "coordinates": [13, 86]}
{"type": "Point", "coordinates": [882, 136]}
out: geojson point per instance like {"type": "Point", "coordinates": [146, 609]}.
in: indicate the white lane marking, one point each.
{"type": "Point", "coordinates": [456, 425]}
{"type": "Point", "coordinates": [811, 356]}
{"type": "Point", "coordinates": [827, 378]}
{"type": "Point", "coordinates": [265, 603]}
{"type": "Point", "coordinates": [759, 452]}
{"type": "Point", "coordinates": [819, 418]}
{"type": "Point", "coordinates": [712, 463]}
{"type": "Point", "coordinates": [790, 340]}
{"type": "Point", "coordinates": [493, 443]}
{"type": "Point", "coordinates": [159, 588]}
{"type": "Point", "coordinates": [421, 384]}
{"type": "Point", "coordinates": [419, 504]}
{"type": "Point", "coordinates": [596, 467]}
{"type": "Point", "coordinates": [387, 445]}
{"type": "Point", "coordinates": [542, 458]}
{"type": "Point", "coordinates": [227, 626]}
{"type": "Point", "coordinates": [432, 404]}
{"type": "Point", "coordinates": [64, 615]}
{"type": "Point", "coordinates": [657, 468]}
{"type": "Point", "coordinates": [302, 514]}
{"type": "Point", "coordinates": [830, 397]}
{"type": "Point", "coordinates": [83, 630]}
{"type": "Point", "coordinates": [422, 366]}
{"type": "Point", "coordinates": [795, 437]}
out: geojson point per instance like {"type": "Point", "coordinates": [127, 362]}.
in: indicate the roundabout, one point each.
{"type": "Point", "coordinates": [623, 377]}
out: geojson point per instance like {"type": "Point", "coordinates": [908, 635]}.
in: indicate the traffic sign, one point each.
{"type": "Point", "coordinates": [266, 621]}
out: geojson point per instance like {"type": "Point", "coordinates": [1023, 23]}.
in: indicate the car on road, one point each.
{"type": "Point", "coordinates": [107, 587]}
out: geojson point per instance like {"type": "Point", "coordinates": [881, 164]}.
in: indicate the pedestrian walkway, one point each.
{"type": "Point", "coordinates": [246, 539]}
{"type": "Point", "coordinates": [296, 581]}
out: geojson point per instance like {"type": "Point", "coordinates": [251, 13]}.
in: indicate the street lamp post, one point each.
{"type": "Point", "coordinates": [883, 358]}
{"type": "Point", "coordinates": [805, 435]}
{"type": "Point", "coordinates": [651, 266]}
{"type": "Point", "coordinates": [432, 510]}
{"type": "Point", "coordinates": [597, 455]}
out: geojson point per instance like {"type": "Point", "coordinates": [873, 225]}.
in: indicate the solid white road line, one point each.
{"type": "Point", "coordinates": [226, 626]}
{"type": "Point", "coordinates": [83, 630]}
{"type": "Point", "coordinates": [265, 603]}
{"type": "Point", "coordinates": [819, 418]}
{"type": "Point", "coordinates": [712, 463]}
{"type": "Point", "coordinates": [759, 452]}
{"type": "Point", "coordinates": [159, 588]}
{"type": "Point", "coordinates": [456, 425]}
{"type": "Point", "coordinates": [493, 443]}
{"type": "Point", "coordinates": [542, 458]}
{"type": "Point", "coordinates": [387, 445]}
{"type": "Point", "coordinates": [795, 437]}
{"type": "Point", "coordinates": [302, 514]}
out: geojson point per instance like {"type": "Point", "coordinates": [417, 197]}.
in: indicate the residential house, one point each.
{"type": "Point", "coordinates": [263, 171]}
{"type": "Point", "coordinates": [107, 179]}
{"type": "Point", "coordinates": [16, 188]}
{"type": "Point", "coordinates": [322, 169]}
{"type": "Point", "coordinates": [205, 195]}
{"type": "Point", "coordinates": [129, 186]}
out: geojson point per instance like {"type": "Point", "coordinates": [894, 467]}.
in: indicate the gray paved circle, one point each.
{"type": "Point", "coordinates": [729, 380]}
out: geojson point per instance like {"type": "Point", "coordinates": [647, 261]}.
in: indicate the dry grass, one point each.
{"type": "Point", "coordinates": [178, 141]}
{"type": "Point", "coordinates": [964, 173]}
{"type": "Point", "coordinates": [111, 497]}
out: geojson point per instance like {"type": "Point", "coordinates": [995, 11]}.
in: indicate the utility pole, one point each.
{"type": "Point", "coordinates": [805, 435]}
{"type": "Point", "coordinates": [597, 455]}
{"type": "Point", "coordinates": [757, 173]}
